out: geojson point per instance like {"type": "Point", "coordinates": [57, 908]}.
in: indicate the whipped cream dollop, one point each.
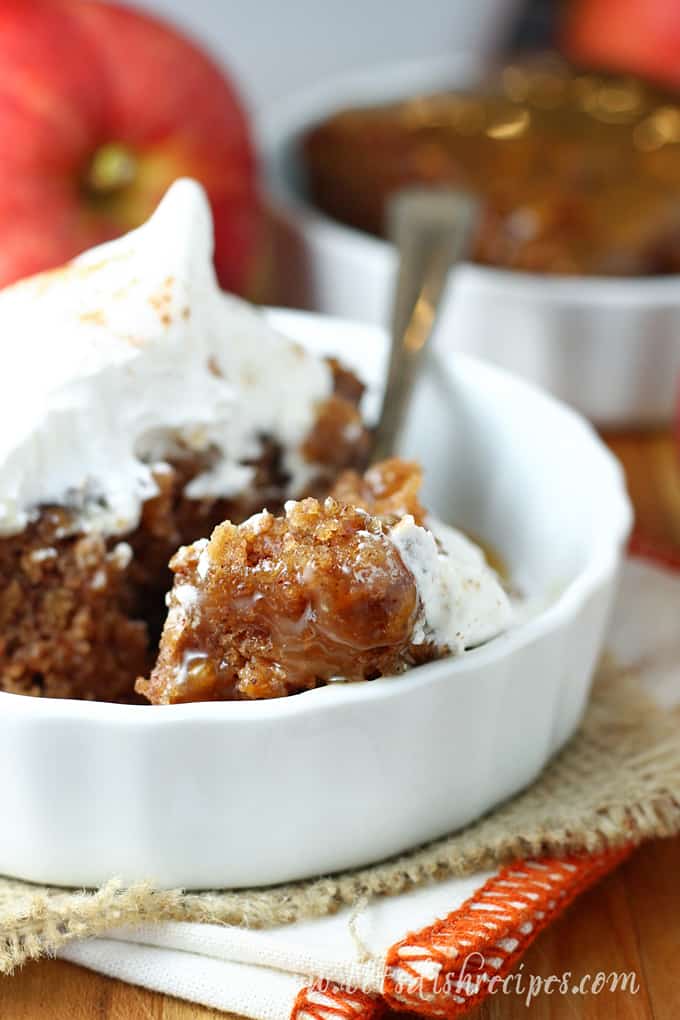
{"type": "Point", "coordinates": [462, 602]}
{"type": "Point", "coordinates": [132, 351]}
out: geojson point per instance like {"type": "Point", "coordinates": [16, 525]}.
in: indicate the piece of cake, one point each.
{"type": "Point", "coordinates": [139, 406]}
{"type": "Point", "coordinates": [330, 591]}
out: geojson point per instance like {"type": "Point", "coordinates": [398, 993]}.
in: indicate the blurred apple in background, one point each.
{"type": "Point", "coordinates": [101, 108]}
{"type": "Point", "coordinates": [640, 36]}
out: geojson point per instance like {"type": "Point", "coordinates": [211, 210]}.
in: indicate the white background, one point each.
{"type": "Point", "coordinates": [275, 47]}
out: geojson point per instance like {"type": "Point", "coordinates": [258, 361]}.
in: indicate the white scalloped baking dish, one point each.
{"type": "Point", "coordinates": [609, 347]}
{"type": "Point", "coordinates": [252, 793]}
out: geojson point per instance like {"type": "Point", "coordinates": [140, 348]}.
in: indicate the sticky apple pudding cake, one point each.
{"type": "Point", "coordinates": [139, 407]}
{"type": "Point", "coordinates": [579, 172]}
{"type": "Point", "coordinates": [356, 586]}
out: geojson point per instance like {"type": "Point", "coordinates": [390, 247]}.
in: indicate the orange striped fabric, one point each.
{"type": "Point", "coordinates": [332, 1002]}
{"type": "Point", "coordinates": [446, 969]}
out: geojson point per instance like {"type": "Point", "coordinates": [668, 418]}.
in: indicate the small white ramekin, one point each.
{"type": "Point", "coordinates": [610, 347]}
{"type": "Point", "coordinates": [253, 793]}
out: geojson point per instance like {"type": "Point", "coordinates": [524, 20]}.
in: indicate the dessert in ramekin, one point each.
{"type": "Point", "coordinates": [577, 173]}
{"type": "Point", "coordinates": [253, 792]}
{"type": "Point", "coordinates": [144, 408]}
{"type": "Point", "coordinates": [567, 331]}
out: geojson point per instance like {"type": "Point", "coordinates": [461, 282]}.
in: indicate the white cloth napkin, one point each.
{"type": "Point", "coordinates": [259, 974]}
{"type": "Point", "coordinates": [268, 975]}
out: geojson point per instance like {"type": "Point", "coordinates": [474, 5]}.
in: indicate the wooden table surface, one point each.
{"type": "Point", "coordinates": [630, 922]}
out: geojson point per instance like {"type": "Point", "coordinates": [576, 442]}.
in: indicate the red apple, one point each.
{"type": "Point", "coordinates": [101, 108]}
{"type": "Point", "coordinates": [639, 36]}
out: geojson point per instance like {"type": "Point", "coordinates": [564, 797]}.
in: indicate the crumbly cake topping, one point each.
{"type": "Point", "coordinates": [388, 489]}
{"type": "Point", "coordinates": [131, 355]}
{"type": "Point", "coordinates": [281, 604]}
{"type": "Point", "coordinates": [329, 591]}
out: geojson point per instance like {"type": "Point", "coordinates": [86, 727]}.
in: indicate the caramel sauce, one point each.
{"type": "Point", "coordinates": [579, 172]}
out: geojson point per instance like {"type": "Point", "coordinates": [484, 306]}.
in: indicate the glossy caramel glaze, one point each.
{"type": "Point", "coordinates": [579, 173]}
{"type": "Point", "coordinates": [283, 604]}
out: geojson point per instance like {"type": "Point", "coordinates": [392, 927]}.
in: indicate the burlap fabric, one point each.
{"type": "Point", "coordinates": [617, 782]}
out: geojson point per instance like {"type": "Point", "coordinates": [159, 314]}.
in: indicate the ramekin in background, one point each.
{"type": "Point", "coordinates": [610, 347]}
